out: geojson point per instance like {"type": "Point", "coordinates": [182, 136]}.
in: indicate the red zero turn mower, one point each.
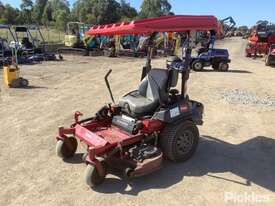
{"type": "Point", "coordinates": [154, 122]}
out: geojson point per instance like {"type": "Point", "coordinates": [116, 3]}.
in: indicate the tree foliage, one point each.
{"type": "Point", "coordinates": [58, 12]}
{"type": "Point", "coordinates": [155, 8]}
{"type": "Point", "coordinates": [38, 10]}
{"type": "Point", "coordinates": [26, 11]}
{"type": "Point", "coordinates": [101, 11]}
{"type": "Point", "coordinates": [126, 11]}
{"type": "Point", "coordinates": [9, 15]}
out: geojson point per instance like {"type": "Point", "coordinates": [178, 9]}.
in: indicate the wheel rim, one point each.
{"type": "Point", "coordinates": [184, 142]}
{"type": "Point", "coordinates": [197, 66]}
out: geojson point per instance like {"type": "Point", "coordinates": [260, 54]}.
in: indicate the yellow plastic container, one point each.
{"type": "Point", "coordinates": [10, 73]}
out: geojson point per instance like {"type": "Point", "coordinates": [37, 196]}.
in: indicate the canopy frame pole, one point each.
{"type": "Point", "coordinates": [187, 58]}
{"type": "Point", "coordinates": [150, 51]}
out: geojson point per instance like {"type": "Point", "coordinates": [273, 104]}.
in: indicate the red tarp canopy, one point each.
{"type": "Point", "coordinates": [178, 23]}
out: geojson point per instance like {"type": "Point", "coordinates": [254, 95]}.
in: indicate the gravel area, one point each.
{"type": "Point", "coordinates": [237, 96]}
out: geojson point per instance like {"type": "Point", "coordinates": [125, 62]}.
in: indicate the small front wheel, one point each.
{"type": "Point", "coordinates": [92, 176]}
{"type": "Point", "coordinates": [197, 65]}
{"type": "Point", "coordinates": [66, 148]}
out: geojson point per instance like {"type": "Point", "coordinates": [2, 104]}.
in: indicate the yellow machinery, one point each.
{"type": "Point", "coordinates": [169, 43]}
{"type": "Point", "coordinates": [75, 34]}
{"type": "Point", "coordinates": [11, 72]}
{"type": "Point", "coordinates": [70, 40]}
{"type": "Point", "coordinates": [12, 78]}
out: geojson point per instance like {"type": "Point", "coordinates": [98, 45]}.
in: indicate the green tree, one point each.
{"type": "Point", "coordinates": [38, 10]}
{"type": "Point", "coordinates": [126, 11]}
{"type": "Point", "coordinates": [9, 15]}
{"type": "Point", "coordinates": [52, 10]}
{"type": "Point", "coordinates": [26, 11]}
{"type": "Point", "coordinates": [47, 16]}
{"type": "Point", "coordinates": [96, 11]}
{"type": "Point", "coordinates": [155, 8]}
{"type": "Point", "coordinates": [2, 8]}
{"type": "Point", "coordinates": [61, 19]}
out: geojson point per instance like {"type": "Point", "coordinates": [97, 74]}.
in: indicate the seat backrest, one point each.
{"type": "Point", "coordinates": [154, 85]}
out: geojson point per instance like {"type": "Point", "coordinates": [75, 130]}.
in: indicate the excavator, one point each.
{"type": "Point", "coordinates": [76, 42]}
{"type": "Point", "coordinates": [166, 43]}
{"type": "Point", "coordinates": [226, 25]}
{"type": "Point", "coordinates": [33, 46]}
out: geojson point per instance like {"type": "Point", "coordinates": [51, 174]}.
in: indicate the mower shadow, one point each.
{"type": "Point", "coordinates": [229, 71]}
{"type": "Point", "coordinates": [33, 87]}
{"type": "Point", "coordinates": [252, 160]}
{"type": "Point", "coordinates": [76, 159]}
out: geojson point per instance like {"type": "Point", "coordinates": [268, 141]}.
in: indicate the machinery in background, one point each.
{"type": "Point", "coordinates": [226, 27]}
{"type": "Point", "coordinates": [270, 57]}
{"type": "Point", "coordinates": [210, 56]}
{"type": "Point", "coordinates": [76, 42]}
{"type": "Point", "coordinates": [35, 48]}
{"type": "Point", "coordinates": [261, 37]}
{"type": "Point", "coordinates": [7, 37]}
{"type": "Point", "coordinates": [166, 43]}
{"type": "Point", "coordinates": [11, 71]}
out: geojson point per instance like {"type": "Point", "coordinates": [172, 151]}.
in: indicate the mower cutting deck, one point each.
{"type": "Point", "coordinates": [154, 122]}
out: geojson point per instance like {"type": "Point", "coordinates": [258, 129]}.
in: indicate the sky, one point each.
{"type": "Point", "coordinates": [244, 12]}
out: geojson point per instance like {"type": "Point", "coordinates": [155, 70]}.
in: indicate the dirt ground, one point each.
{"type": "Point", "coordinates": [236, 154]}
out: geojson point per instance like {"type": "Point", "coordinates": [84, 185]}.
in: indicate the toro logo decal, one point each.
{"type": "Point", "coordinates": [183, 108]}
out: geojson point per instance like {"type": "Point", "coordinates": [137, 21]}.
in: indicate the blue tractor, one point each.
{"type": "Point", "coordinates": [209, 56]}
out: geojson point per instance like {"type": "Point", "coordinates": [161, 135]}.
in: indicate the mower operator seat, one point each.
{"type": "Point", "coordinates": [153, 90]}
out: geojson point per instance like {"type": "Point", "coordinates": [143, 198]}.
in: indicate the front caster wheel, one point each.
{"type": "Point", "coordinates": [66, 148]}
{"type": "Point", "coordinates": [92, 176]}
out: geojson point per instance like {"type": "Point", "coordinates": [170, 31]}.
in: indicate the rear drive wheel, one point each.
{"type": "Point", "coordinates": [92, 176]}
{"type": "Point", "coordinates": [197, 65]}
{"type": "Point", "coordinates": [66, 148]}
{"type": "Point", "coordinates": [223, 66]}
{"type": "Point", "coordinates": [179, 142]}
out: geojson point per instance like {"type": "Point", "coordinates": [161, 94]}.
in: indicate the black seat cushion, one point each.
{"type": "Point", "coordinates": [152, 91]}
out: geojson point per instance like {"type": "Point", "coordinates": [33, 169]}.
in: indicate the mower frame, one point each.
{"type": "Point", "coordinates": [111, 136]}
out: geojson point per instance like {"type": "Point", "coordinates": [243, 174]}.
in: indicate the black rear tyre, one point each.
{"type": "Point", "coordinates": [179, 142]}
